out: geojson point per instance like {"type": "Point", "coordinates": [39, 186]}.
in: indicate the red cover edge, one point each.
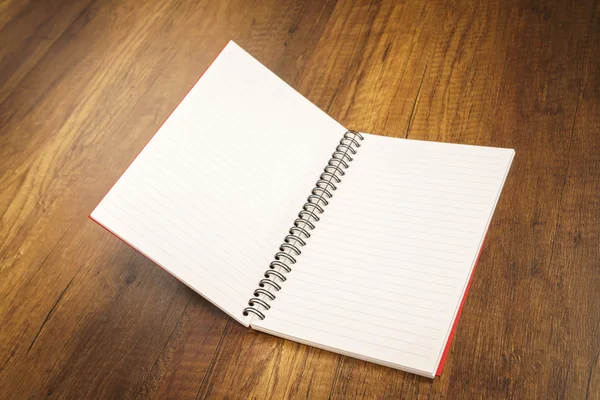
{"type": "Point", "coordinates": [142, 149]}
{"type": "Point", "coordinates": [462, 303]}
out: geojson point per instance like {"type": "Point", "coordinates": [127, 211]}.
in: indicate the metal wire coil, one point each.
{"type": "Point", "coordinates": [299, 233]}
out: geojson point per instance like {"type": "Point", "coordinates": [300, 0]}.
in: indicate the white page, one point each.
{"type": "Point", "coordinates": [213, 193]}
{"type": "Point", "coordinates": [383, 274]}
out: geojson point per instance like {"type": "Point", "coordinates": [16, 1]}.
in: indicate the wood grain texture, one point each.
{"type": "Point", "coordinates": [85, 83]}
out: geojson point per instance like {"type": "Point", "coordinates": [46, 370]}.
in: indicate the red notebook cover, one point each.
{"type": "Point", "coordinates": [455, 323]}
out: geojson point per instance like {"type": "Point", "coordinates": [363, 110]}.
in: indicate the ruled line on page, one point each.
{"type": "Point", "coordinates": [391, 236]}
{"type": "Point", "coordinates": [176, 223]}
{"type": "Point", "coordinates": [373, 185]}
{"type": "Point", "coordinates": [402, 195]}
{"type": "Point", "coordinates": [374, 248]}
{"type": "Point", "coordinates": [338, 334]}
{"type": "Point", "coordinates": [355, 211]}
{"type": "Point", "coordinates": [384, 246]}
{"type": "Point", "coordinates": [354, 328]}
{"type": "Point", "coordinates": [367, 260]}
{"type": "Point", "coordinates": [198, 207]}
{"type": "Point", "coordinates": [160, 247]}
{"type": "Point", "coordinates": [190, 215]}
{"type": "Point", "coordinates": [223, 172]}
{"type": "Point", "coordinates": [306, 264]}
{"type": "Point", "coordinates": [306, 272]}
{"type": "Point", "coordinates": [336, 304]}
{"type": "Point", "coordinates": [410, 147]}
{"type": "Point", "coordinates": [356, 320]}
{"type": "Point", "coordinates": [408, 224]}
{"type": "Point", "coordinates": [242, 149]}
{"type": "Point", "coordinates": [386, 160]}
{"type": "Point", "coordinates": [241, 159]}
{"type": "Point", "coordinates": [153, 196]}
{"type": "Point", "coordinates": [415, 169]}
{"type": "Point", "coordinates": [368, 205]}
{"type": "Point", "coordinates": [411, 161]}
{"type": "Point", "coordinates": [306, 298]}
{"type": "Point", "coordinates": [409, 157]}
{"type": "Point", "coordinates": [425, 271]}
{"type": "Point", "coordinates": [410, 177]}
{"type": "Point", "coordinates": [358, 243]}
{"type": "Point", "coordinates": [368, 288]}
{"type": "Point", "coordinates": [362, 294]}
{"type": "Point", "coordinates": [125, 216]}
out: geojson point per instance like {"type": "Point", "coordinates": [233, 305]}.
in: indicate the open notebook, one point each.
{"type": "Point", "coordinates": [259, 201]}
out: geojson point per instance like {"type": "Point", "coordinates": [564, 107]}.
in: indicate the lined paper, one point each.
{"type": "Point", "coordinates": [211, 196]}
{"type": "Point", "coordinates": [384, 272]}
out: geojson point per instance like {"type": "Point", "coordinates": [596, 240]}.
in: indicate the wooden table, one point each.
{"type": "Point", "coordinates": [85, 83]}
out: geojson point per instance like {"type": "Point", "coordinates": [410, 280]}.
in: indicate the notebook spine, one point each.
{"type": "Point", "coordinates": [308, 217]}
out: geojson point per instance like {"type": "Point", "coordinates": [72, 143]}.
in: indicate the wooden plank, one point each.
{"type": "Point", "coordinates": [28, 30]}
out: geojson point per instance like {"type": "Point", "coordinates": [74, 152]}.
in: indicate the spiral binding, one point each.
{"type": "Point", "coordinates": [299, 233]}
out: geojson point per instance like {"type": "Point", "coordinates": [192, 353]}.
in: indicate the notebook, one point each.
{"type": "Point", "coordinates": [295, 226]}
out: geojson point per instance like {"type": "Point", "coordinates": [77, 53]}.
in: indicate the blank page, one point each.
{"type": "Point", "coordinates": [211, 196]}
{"type": "Point", "coordinates": [384, 272]}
